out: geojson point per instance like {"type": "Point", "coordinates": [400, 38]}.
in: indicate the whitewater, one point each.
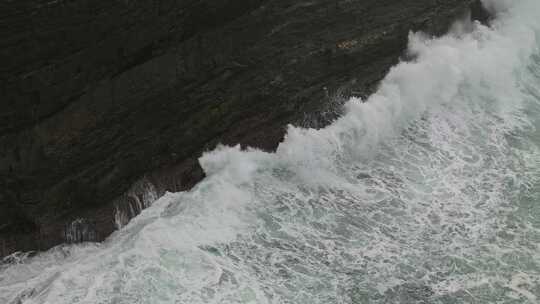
{"type": "Point", "coordinates": [427, 192]}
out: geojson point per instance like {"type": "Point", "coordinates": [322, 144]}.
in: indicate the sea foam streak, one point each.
{"type": "Point", "coordinates": [429, 192]}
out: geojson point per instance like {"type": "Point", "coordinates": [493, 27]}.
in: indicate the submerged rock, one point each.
{"type": "Point", "coordinates": [98, 95]}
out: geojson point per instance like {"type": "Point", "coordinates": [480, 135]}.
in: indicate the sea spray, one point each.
{"type": "Point", "coordinates": [428, 192]}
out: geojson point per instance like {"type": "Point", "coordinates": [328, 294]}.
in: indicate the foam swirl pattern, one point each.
{"type": "Point", "coordinates": [429, 192]}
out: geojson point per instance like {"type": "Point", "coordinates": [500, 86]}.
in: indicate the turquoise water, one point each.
{"type": "Point", "coordinates": [429, 192]}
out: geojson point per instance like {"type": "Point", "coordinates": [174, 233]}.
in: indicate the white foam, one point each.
{"type": "Point", "coordinates": [424, 192]}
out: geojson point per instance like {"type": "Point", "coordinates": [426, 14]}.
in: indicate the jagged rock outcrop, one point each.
{"type": "Point", "coordinates": [96, 95]}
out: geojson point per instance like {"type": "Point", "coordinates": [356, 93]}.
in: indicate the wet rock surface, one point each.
{"type": "Point", "coordinates": [97, 95]}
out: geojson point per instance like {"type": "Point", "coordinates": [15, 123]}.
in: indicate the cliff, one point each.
{"type": "Point", "coordinates": [107, 104]}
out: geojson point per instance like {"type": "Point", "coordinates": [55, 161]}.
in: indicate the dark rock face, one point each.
{"type": "Point", "coordinates": [480, 13]}
{"type": "Point", "coordinates": [96, 95]}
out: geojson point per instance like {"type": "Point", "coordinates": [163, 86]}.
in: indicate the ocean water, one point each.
{"type": "Point", "coordinates": [428, 192]}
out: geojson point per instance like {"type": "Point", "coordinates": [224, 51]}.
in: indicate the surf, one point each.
{"type": "Point", "coordinates": [426, 192]}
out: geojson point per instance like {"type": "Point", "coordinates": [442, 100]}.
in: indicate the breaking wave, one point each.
{"type": "Point", "coordinates": [428, 192]}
